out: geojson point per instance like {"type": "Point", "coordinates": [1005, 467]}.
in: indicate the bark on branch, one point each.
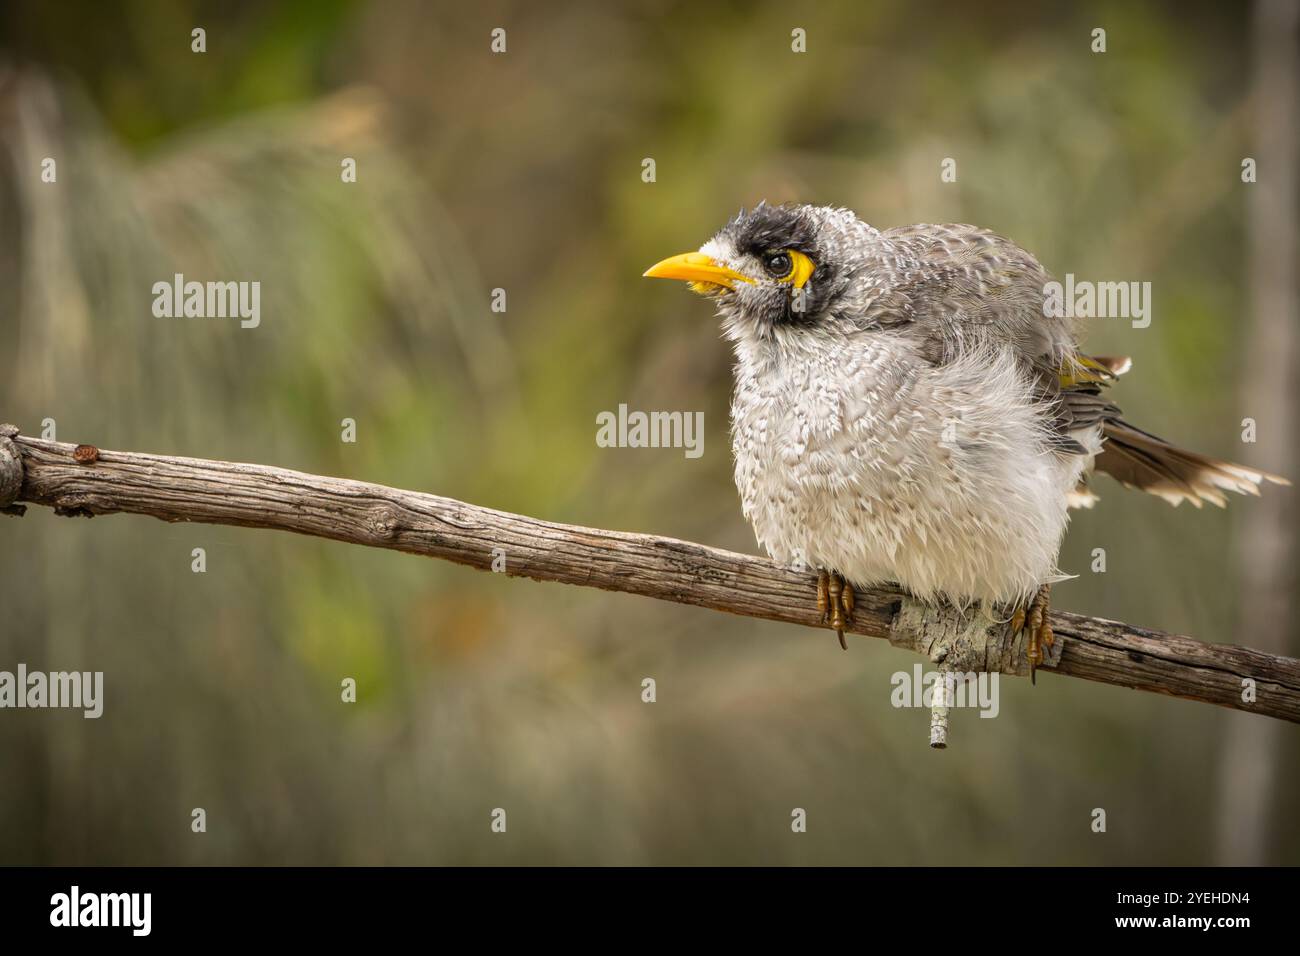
{"type": "Point", "coordinates": [81, 480]}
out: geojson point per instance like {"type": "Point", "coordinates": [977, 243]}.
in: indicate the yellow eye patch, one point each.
{"type": "Point", "coordinates": [801, 269]}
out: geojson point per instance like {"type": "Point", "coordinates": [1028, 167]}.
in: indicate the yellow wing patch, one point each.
{"type": "Point", "coordinates": [1080, 369]}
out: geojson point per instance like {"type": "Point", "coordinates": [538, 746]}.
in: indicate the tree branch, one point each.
{"type": "Point", "coordinates": [81, 480]}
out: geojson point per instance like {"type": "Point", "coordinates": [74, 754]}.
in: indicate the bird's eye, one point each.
{"type": "Point", "coordinates": [778, 265]}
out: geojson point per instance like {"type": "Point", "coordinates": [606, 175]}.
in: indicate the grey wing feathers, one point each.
{"type": "Point", "coordinates": [959, 288]}
{"type": "Point", "coordinates": [968, 287]}
{"type": "Point", "coordinates": [1077, 407]}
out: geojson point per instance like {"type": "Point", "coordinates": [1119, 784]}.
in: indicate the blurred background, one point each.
{"type": "Point", "coordinates": [522, 171]}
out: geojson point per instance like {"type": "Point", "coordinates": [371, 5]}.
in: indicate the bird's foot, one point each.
{"type": "Point", "coordinates": [835, 603]}
{"type": "Point", "coordinates": [1032, 618]}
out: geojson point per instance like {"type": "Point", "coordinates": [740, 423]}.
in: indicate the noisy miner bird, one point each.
{"type": "Point", "coordinates": [905, 410]}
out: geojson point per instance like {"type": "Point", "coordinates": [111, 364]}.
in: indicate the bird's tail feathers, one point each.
{"type": "Point", "coordinates": [1138, 459]}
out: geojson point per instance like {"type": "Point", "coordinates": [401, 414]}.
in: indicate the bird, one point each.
{"type": "Point", "coordinates": [906, 410]}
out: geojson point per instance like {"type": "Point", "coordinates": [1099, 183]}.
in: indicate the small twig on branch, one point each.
{"type": "Point", "coordinates": [75, 482]}
{"type": "Point", "coordinates": [939, 713]}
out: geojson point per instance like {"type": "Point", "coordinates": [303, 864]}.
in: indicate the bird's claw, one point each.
{"type": "Point", "coordinates": [1033, 620]}
{"type": "Point", "coordinates": [835, 603]}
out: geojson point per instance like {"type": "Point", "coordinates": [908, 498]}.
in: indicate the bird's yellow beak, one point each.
{"type": "Point", "coordinates": [697, 269]}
